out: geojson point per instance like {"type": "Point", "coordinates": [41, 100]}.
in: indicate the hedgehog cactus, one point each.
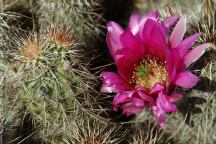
{"type": "Point", "coordinates": [48, 68]}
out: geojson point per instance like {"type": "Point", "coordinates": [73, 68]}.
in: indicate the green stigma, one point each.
{"type": "Point", "coordinates": [141, 71]}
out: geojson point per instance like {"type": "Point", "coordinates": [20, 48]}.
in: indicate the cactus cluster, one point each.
{"type": "Point", "coordinates": [44, 72]}
{"type": "Point", "coordinates": [42, 75]}
{"type": "Point", "coordinates": [50, 81]}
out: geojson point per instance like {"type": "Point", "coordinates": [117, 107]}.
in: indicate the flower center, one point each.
{"type": "Point", "coordinates": [149, 72]}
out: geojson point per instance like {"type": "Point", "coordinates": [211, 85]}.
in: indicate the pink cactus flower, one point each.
{"type": "Point", "coordinates": [151, 61]}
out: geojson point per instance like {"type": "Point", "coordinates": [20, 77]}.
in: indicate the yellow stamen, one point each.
{"type": "Point", "coordinates": [149, 72]}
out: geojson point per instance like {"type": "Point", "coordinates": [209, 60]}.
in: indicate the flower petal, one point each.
{"type": "Point", "coordinates": [130, 55]}
{"type": "Point", "coordinates": [195, 54]}
{"type": "Point", "coordinates": [113, 37]}
{"type": "Point", "coordinates": [154, 38]}
{"type": "Point", "coordinates": [154, 16]}
{"type": "Point", "coordinates": [186, 79]}
{"type": "Point", "coordinates": [178, 32]}
{"type": "Point", "coordinates": [112, 83]}
{"type": "Point", "coordinates": [162, 106]}
{"type": "Point", "coordinates": [157, 88]}
{"type": "Point", "coordinates": [129, 41]}
{"type": "Point", "coordinates": [125, 63]}
{"type": "Point", "coordinates": [169, 22]}
{"type": "Point", "coordinates": [160, 116]}
{"type": "Point", "coordinates": [172, 62]}
{"type": "Point", "coordinates": [164, 103]}
{"type": "Point", "coordinates": [123, 97]}
{"type": "Point", "coordinates": [187, 43]}
{"type": "Point", "coordinates": [130, 109]}
{"type": "Point", "coordinates": [137, 102]}
{"type": "Point", "coordinates": [108, 89]}
{"type": "Point", "coordinates": [145, 97]}
{"type": "Point", "coordinates": [134, 23]}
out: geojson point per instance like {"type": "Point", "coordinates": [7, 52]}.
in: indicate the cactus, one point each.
{"type": "Point", "coordinates": [49, 71]}
{"type": "Point", "coordinates": [83, 16]}
{"type": "Point", "coordinates": [20, 14]}
{"type": "Point", "coordinates": [204, 21]}
{"type": "Point", "coordinates": [147, 134]}
{"type": "Point", "coordinates": [50, 68]}
{"type": "Point", "coordinates": [9, 84]}
{"type": "Point", "coordinates": [10, 107]}
{"type": "Point", "coordinates": [47, 92]}
{"type": "Point", "coordinates": [93, 131]}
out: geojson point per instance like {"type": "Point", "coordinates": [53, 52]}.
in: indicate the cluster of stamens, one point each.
{"type": "Point", "coordinates": [149, 72]}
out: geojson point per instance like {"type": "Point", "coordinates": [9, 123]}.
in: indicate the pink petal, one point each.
{"type": "Point", "coordinates": [172, 76]}
{"type": "Point", "coordinates": [113, 37]}
{"type": "Point", "coordinates": [130, 55]}
{"type": "Point", "coordinates": [157, 88]}
{"type": "Point", "coordinates": [175, 64]}
{"type": "Point", "coordinates": [160, 116]}
{"type": "Point", "coordinates": [131, 46]}
{"type": "Point", "coordinates": [145, 97]}
{"type": "Point", "coordinates": [178, 32]}
{"type": "Point", "coordinates": [125, 64]}
{"type": "Point", "coordinates": [195, 54]}
{"type": "Point", "coordinates": [134, 23]}
{"type": "Point", "coordinates": [143, 89]}
{"type": "Point", "coordinates": [172, 61]}
{"type": "Point", "coordinates": [130, 108]}
{"type": "Point", "coordinates": [123, 97]}
{"type": "Point", "coordinates": [186, 79]}
{"type": "Point", "coordinates": [155, 16]}
{"type": "Point", "coordinates": [169, 22]}
{"type": "Point", "coordinates": [154, 38]}
{"type": "Point", "coordinates": [108, 89]}
{"type": "Point", "coordinates": [187, 43]}
{"type": "Point", "coordinates": [137, 102]}
{"type": "Point", "coordinates": [164, 103]}
{"type": "Point", "coordinates": [112, 83]}
{"type": "Point", "coordinates": [129, 41]}
{"type": "Point", "coordinates": [162, 106]}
